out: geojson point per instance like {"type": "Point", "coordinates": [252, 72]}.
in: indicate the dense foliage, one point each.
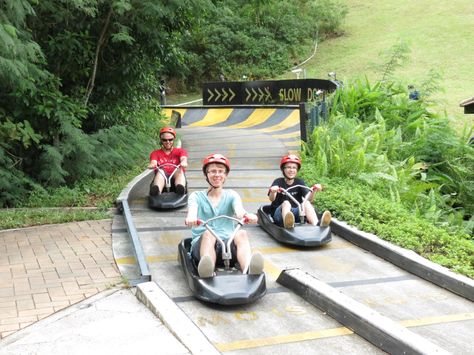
{"type": "Point", "coordinates": [258, 39]}
{"type": "Point", "coordinates": [79, 79]}
{"type": "Point", "coordinates": [359, 205]}
{"type": "Point", "coordinates": [398, 146]}
{"type": "Point", "coordinates": [395, 168]}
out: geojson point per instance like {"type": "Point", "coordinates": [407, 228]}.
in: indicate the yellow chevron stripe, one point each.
{"type": "Point", "coordinates": [258, 116]}
{"type": "Point", "coordinates": [167, 111]}
{"type": "Point", "coordinates": [213, 117]}
{"type": "Point", "coordinates": [292, 120]}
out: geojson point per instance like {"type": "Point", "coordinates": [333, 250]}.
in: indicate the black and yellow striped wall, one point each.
{"type": "Point", "coordinates": [281, 122]}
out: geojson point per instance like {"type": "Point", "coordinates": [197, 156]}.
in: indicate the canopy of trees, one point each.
{"type": "Point", "coordinates": [75, 73]}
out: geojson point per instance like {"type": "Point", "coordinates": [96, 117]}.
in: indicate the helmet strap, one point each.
{"type": "Point", "coordinates": [211, 186]}
{"type": "Point", "coordinates": [284, 175]}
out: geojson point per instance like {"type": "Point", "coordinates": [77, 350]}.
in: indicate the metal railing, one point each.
{"type": "Point", "coordinates": [123, 206]}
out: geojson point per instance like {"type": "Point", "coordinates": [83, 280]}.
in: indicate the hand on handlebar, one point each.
{"type": "Point", "coordinates": [317, 187]}
{"type": "Point", "coordinates": [190, 222]}
{"type": "Point", "coordinates": [274, 188]}
{"type": "Point", "coordinates": [250, 218]}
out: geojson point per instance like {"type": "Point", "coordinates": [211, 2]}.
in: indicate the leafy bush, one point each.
{"type": "Point", "coordinates": [376, 135]}
{"type": "Point", "coordinates": [256, 39]}
{"type": "Point", "coordinates": [359, 205]}
{"type": "Point", "coordinates": [98, 192]}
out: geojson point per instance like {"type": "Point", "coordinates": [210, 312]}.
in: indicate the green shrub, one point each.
{"type": "Point", "coordinates": [359, 205]}
{"type": "Point", "coordinates": [19, 218]}
{"type": "Point", "coordinates": [376, 135]}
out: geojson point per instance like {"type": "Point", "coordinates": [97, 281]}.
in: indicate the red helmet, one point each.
{"type": "Point", "coordinates": [291, 158]}
{"type": "Point", "coordinates": [168, 130]}
{"type": "Point", "coordinates": [215, 159]}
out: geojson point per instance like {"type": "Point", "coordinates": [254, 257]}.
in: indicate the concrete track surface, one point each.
{"type": "Point", "coordinates": [431, 319]}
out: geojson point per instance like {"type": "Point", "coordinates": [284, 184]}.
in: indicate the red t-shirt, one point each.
{"type": "Point", "coordinates": [174, 157]}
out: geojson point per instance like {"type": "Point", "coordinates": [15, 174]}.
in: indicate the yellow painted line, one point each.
{"type": "Point", "coordinates": [250, 199]}
{"type": "Point", "coordinates": [437, 320]}
{"type": "Point", "coordinates": [168, 111]}
{"type": "Point", "coordinates": [161, 258]}
{"type": "Point", "coordinates": [256, 117]}
{"type": "Point", "coordinates": [295, 134]}
{"type": "Point", "coordinates": [131, 260]}
{"type": "Point", "coordinates": [271, 270]}
{"type": "Point", "coordinates": [264, 250]}
{"type": "Point", "coordinates": [283, 339]}
{"type": "Point", "coordinates": [213, 116]}
{"type": "Point", "coordinates": [274, 250]}
{"type": "Point", "coordinates": [126, 260]}
{"type": "Point", "coordinates": [282, 249]}
{"type": "Point", "coordinates": [333, 332]}
{"type": "Point", "coordinates": [290, 121]}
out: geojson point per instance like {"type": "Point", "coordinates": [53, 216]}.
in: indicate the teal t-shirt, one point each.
{"type": "Point", "coordinates": [223, 227]}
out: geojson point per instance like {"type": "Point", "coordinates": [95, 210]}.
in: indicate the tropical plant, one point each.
{"type": "Point", "coordinates": [376, 135]}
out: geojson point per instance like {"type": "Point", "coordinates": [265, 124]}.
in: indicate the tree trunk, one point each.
{"type": "Point", "coordinates": [100, 42]}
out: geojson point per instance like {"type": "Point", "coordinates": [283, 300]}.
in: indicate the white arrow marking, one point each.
{"type": "Point", "coordinates": [269, 95]}
{"type": "Point", "coordinates": [255, 94]}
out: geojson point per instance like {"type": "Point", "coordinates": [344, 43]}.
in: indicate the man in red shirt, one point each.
{"type": "Point", "coordinates": [168, 155]}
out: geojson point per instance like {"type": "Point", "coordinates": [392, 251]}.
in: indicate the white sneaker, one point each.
{"type": "Point", "coordinates": [256, 264]}
{"type": "Point", "coordinates": [205, 267]}
{"type": "Point", "coordinates": [289, 220]}
{"type": "Point", "coordinates": [326, 219]}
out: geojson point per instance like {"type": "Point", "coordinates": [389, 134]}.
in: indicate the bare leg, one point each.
{"type": "Point", "coordinates": [285, 208]}
{"type": "Point", "coordinates": [242, 244]}
{"type": "Point", "coordinates": [310, 213]}
{"type": "Point", "coordinates": [159, 180]}
{"type": "Point", "coordinates": [179, 178]}
{"type": "Point", "coordinates": [208, 241]}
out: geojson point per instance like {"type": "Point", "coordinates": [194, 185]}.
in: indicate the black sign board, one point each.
{"type": "Point", "coordinates": [265, 91]}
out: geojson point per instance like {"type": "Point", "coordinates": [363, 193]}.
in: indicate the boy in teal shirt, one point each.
{"type": "Point", "coordinates": [213, 202]}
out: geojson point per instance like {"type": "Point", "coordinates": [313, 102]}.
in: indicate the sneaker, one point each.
{"type": "Point", "coordinates": [205, 267]}
{"type": "Point", "coordinates": [180, 190]}
{"type": "Point", "coordinates": [325, 219]}
{"type": "Point", "coordinates": [256, 264]}
{"type": "Point", "coordinates": [289, 220]}
{"type": "Point", "coordinates": [154, 190]}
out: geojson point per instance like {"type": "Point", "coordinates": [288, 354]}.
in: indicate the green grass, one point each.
{"type": "Point", "coordinates": [99, 193]}
{"type": "Point", "coordinates": [175, 99]}
{"type": "Point", "coordinates": [360, 206]}
{"type": "Point", "coordinates": [439, 34]}
{"type": "Point", "coordinates": [20, 218]}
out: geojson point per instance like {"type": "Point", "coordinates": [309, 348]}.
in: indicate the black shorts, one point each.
{"type": "Point", "coordinates": [195, 253]}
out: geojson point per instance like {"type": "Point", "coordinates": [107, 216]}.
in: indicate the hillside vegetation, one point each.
{"type": "Point", "coordinates": [79, 109]}
{"type": "Point", "coordinates": [79, 80]}
{"type": "Point", "coordinates": [438, 33]}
